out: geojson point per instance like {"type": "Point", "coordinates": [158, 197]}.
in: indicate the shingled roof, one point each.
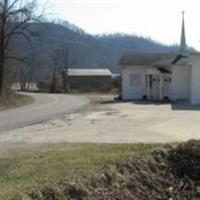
{"type": "Point", "coordinates": [144, 58]}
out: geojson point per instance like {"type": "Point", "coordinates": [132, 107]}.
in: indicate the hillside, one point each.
{"type": "Point", "coordinates": [86, 51]}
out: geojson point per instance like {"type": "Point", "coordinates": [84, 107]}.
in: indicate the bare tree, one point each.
{"type": "Point", "coordinates": [55, 69]}
{"type": "Point", "coordinates": [62, 54]}
{"type": "Point", "coordinates": [10, 75]}
{"type": "Point", "coordinates": [26, 71]}
{"type": "Point", "coordinates": [65, 66]}
{"type": "Point", "coordinates": [60, 68]}
{"type": "Point", "coordinates": [15, 16]}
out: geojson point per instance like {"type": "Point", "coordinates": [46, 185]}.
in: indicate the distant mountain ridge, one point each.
{"type": "Point", "coordinates": [86, 51]}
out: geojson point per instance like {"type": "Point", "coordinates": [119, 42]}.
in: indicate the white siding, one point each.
{"type": "Point", "coordinates": [195, 81]}
{"type": "Point", "coordinates": [131, 91]}
{"type": "Point", "coordinates": [180, 85]}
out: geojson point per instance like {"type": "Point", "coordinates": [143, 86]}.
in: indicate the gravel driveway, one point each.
{"type": "Point", "coordinates": [114, 123]}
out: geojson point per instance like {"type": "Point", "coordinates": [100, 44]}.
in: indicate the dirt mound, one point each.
{"type": "Point", "coordinates": [185, 160]}
{"type": "Point", "coordinates": [170, 173]}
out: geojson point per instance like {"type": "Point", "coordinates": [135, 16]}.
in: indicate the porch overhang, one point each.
{"type": "Point", "coordinates": [157, 71]}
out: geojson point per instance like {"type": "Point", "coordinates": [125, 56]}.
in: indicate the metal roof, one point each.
{"type": "Point", "coordinates": [89, 72]}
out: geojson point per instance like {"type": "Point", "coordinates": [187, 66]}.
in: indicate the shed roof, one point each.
{"type": "Point", "coordinates": [89, 72]}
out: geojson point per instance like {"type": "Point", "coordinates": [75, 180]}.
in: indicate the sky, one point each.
{"type": "Point", "coordinates": [159, 20]}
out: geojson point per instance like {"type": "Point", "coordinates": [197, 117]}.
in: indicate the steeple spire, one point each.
{"type": "Point", "coordinates": [183, 46]}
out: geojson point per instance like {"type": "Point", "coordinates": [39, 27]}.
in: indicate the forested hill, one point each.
{"type": "Point", "coordinates": [86, 51]}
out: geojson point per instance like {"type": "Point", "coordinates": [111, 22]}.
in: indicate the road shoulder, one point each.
{"type": "Point", "coordinates": [16, 101]}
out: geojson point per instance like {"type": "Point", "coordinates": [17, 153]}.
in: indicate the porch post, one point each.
{"type": "Point", "coordinates": [161, 87]}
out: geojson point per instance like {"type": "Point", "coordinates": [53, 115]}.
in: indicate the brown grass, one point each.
{"type": "Point", "coordinates": [27, 171]}
{"type": "Point", "coordinates": [15, 100]}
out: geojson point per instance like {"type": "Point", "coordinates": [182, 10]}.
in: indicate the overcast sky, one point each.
{"type": "Point", "coordinates": [157, 19]}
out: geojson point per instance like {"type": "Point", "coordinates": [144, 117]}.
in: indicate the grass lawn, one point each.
{"type": "Point", "coordinates": [23, 171]}
{"type": "Point", "coordinates": [15, 100]}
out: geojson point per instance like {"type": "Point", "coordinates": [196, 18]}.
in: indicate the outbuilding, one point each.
{"type": "Point", "coordinates": [90, 79]}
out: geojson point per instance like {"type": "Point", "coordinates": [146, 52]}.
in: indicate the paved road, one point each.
{"type": "Point", "coordinates": [45, 107]}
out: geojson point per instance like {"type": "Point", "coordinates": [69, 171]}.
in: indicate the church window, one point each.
{"type": "Point", "coordinates": [135, 79]}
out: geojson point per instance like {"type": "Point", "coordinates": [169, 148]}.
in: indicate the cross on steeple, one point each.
{"type": "Point", "coordinates": [183, 46]}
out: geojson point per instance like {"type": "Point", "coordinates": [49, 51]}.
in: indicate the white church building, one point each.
{"type": "Point", "coordinates": [161, 76]}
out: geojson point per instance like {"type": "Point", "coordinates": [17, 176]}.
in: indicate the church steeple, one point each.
{"type": "Point", "coordinates": [183, 46]}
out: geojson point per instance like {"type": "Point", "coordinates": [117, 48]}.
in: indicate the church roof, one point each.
{"type": "Point", "coordinates": [156, 59]}
{"type": "Point", "coordinates": [144, 58]}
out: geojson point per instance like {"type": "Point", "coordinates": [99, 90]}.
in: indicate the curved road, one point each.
{"type": "Point", "coordinates": [45, 107]}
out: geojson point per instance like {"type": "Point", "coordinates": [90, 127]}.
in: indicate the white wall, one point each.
{"type": "Point", "coordinates": [180, 85]}
{"type": "Point", "coordinates": [133, 92]}
{"type": "Point", "coordinates": [195, 81]}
